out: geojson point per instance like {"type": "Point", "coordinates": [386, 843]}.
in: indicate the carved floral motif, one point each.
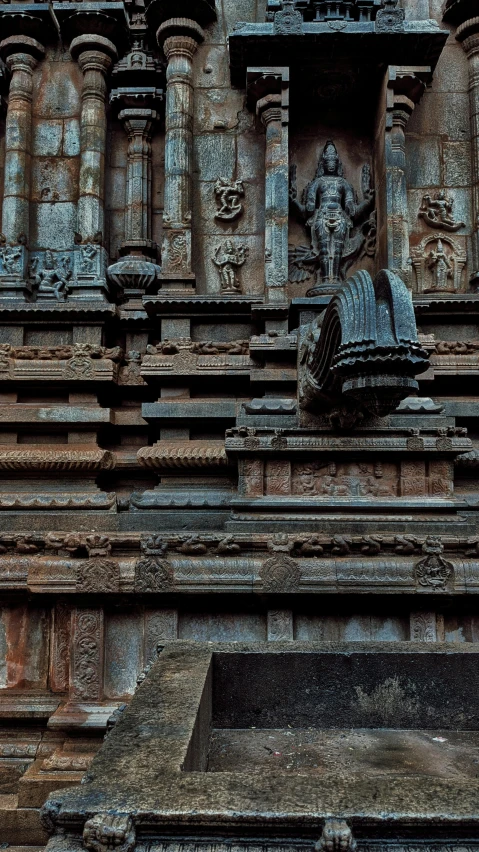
{"type": "Point", "coordinates": [87, 655]}
{"type": "Point", "coordinates": [280, 573]}
{"type": "Point", "coordinates": [153, 573]}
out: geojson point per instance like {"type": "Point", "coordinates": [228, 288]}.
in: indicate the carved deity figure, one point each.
{"type": "Point", "coordinates": [10, 257]}
{"type": "Point", "coordinates": [334, 219]}
{"type": "Point", "coordinates": [441, 268]}
{"type": "Point", "coordinates": [437, 212]}
{"type": "Point", "coordinates": [228, 259]}
{"type": "Point", "coordinates": [53, 278]}
{"type": "Point", "coordinates": [228, 194]}
{"type": "Point", "coordinates": [89, 252]}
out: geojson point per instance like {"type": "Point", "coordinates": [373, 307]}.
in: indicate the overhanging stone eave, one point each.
{"type": "Point", "coordinates": [323, 45]}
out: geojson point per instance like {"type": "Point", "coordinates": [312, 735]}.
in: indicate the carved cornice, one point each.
{"type": "Point", "coordinates": [186, 454]}
{"type": "Point", "coordinates": [71, 457]}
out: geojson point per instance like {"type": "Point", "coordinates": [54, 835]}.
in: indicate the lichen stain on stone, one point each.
{"type": "Point", "coordinates": [391, 702]}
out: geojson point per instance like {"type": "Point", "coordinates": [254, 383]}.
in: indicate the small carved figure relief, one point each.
{"type": "Point", "coordinates": [105, 832]}
{"type": "Point", "coordinates": [11, 257]}
{"type": "Point", "coordinates": [361, 479]}
{"type": "Point", "coordinates": [437, 212]}
{"type": "Point", "coordinates": [229, 259]}
{"type": "Point", "coordinates": [438, 263]}
{"type": "Point", "coordinates": [434, 571]}
{"type": "Point", "coordinates": [88, 258]}
{"type": "Point", "coordinates": [228, 194]}
{"type": "Point", "coordinates": [52, 278]}
{"type": "Point", "coordinates": [336, 221]}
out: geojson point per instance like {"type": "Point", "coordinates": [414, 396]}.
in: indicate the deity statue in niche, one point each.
{"type": "Point", "coordinates": [342, 228]}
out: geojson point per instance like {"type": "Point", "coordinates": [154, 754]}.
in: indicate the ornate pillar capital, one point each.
{"type": "Point", "coordinates": [179, 35]}
{"type": "Point", "coordinates": [93, 53]}
{"type": "Point", "coordinates": [19, 50]}
{"type": "Point", "coordinates": [467, 34]}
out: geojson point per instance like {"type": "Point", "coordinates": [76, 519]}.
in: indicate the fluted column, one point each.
{"type": "Point", "coordinates": [180, 38]}
{"type": "Point", "coordinates": [21, 54]}
{"type": "Point", "coordinates": [268, 90]}
{"type": "Point", "coordinates": [468, 35]}
{"type": "Point", "coordinates": [95, 54]}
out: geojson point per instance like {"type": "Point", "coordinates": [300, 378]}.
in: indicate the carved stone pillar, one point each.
{"type": "Point", "coordinates": [404, 89]}
{"type": "Point", "coordinates": [138, 125]}
{"type": "Point", "coordinates": [136, 272]}
{"type": "Point", "coordinates": [468, 35]}
{"type": "Point", "coordinates": [180, 38]}
{"type": "Point", "coordinates": [95, 55]}
{"type": "Point", "coordinates": [268, 90]}
{"type": "Point", "coordinates": [21, 54]}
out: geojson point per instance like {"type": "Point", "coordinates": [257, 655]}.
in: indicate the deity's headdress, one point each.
{"type": "Point", "coordinates": [328, 150]}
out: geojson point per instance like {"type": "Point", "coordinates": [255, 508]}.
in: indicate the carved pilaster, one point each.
{"type": "Point", "coordinates": [180, 38]}
{"type": "Point", "coordinates": [95, 55]}
{"type": "Point", "coordinates": [21, 54]}
{"type": "Point", "coordinates": [268, 91]}
{"type": "Point", "coordinates": [405, 87]}
{"type": "Point", "coordinates": [136, 272]}
{"type": "Point", "coordinates": [468, 35]}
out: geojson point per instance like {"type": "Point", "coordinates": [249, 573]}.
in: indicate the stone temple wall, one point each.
{"type": "Point", "coordinates": [160, 271]}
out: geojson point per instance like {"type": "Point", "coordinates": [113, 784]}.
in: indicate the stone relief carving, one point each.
{"type": "Point", "coordinates": [107, 832]}
{"type": "Point", "coordinates": [11, 257]}
{"type": "Point", "coordinates": [423, 626]}
{"type": "Point", "coordinates": [354, 479]}
{"type": "Point", "coordinates": [178, 251]}
{"type": "Point", "coordinates": [228, 194]}
{"type": "Point", "coordinates": [52, 277]}
{"type": "Point", "coordinates": [98, 574]}
{"type": "Point", "coordinates": [86, 655]}
{"type": "Point", "coordinates": [88, 258]}
{"type": "Point", "coordinates": [434, 571]}
{"type": "Point", "coordinates": [437, 212]}
{"type": "Point", "coordinates": [320, 10]}
{"type": "Point", "coordinates": [438, 263]}
{"type": "Point", "coordinates": [390, 18]}
{"type": "Point", "coordinates": [288, 20]}
{"type": "Point", "coordinates": [341, 228]}
{"type": "Point", "coordinates": [280, 573]}
{"type": "Point", "coordinates": [153, 573]}
{"type": "Point", "coordinates": [229, 259]}
{"type": "Point", "coordinates": [336, 837]}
